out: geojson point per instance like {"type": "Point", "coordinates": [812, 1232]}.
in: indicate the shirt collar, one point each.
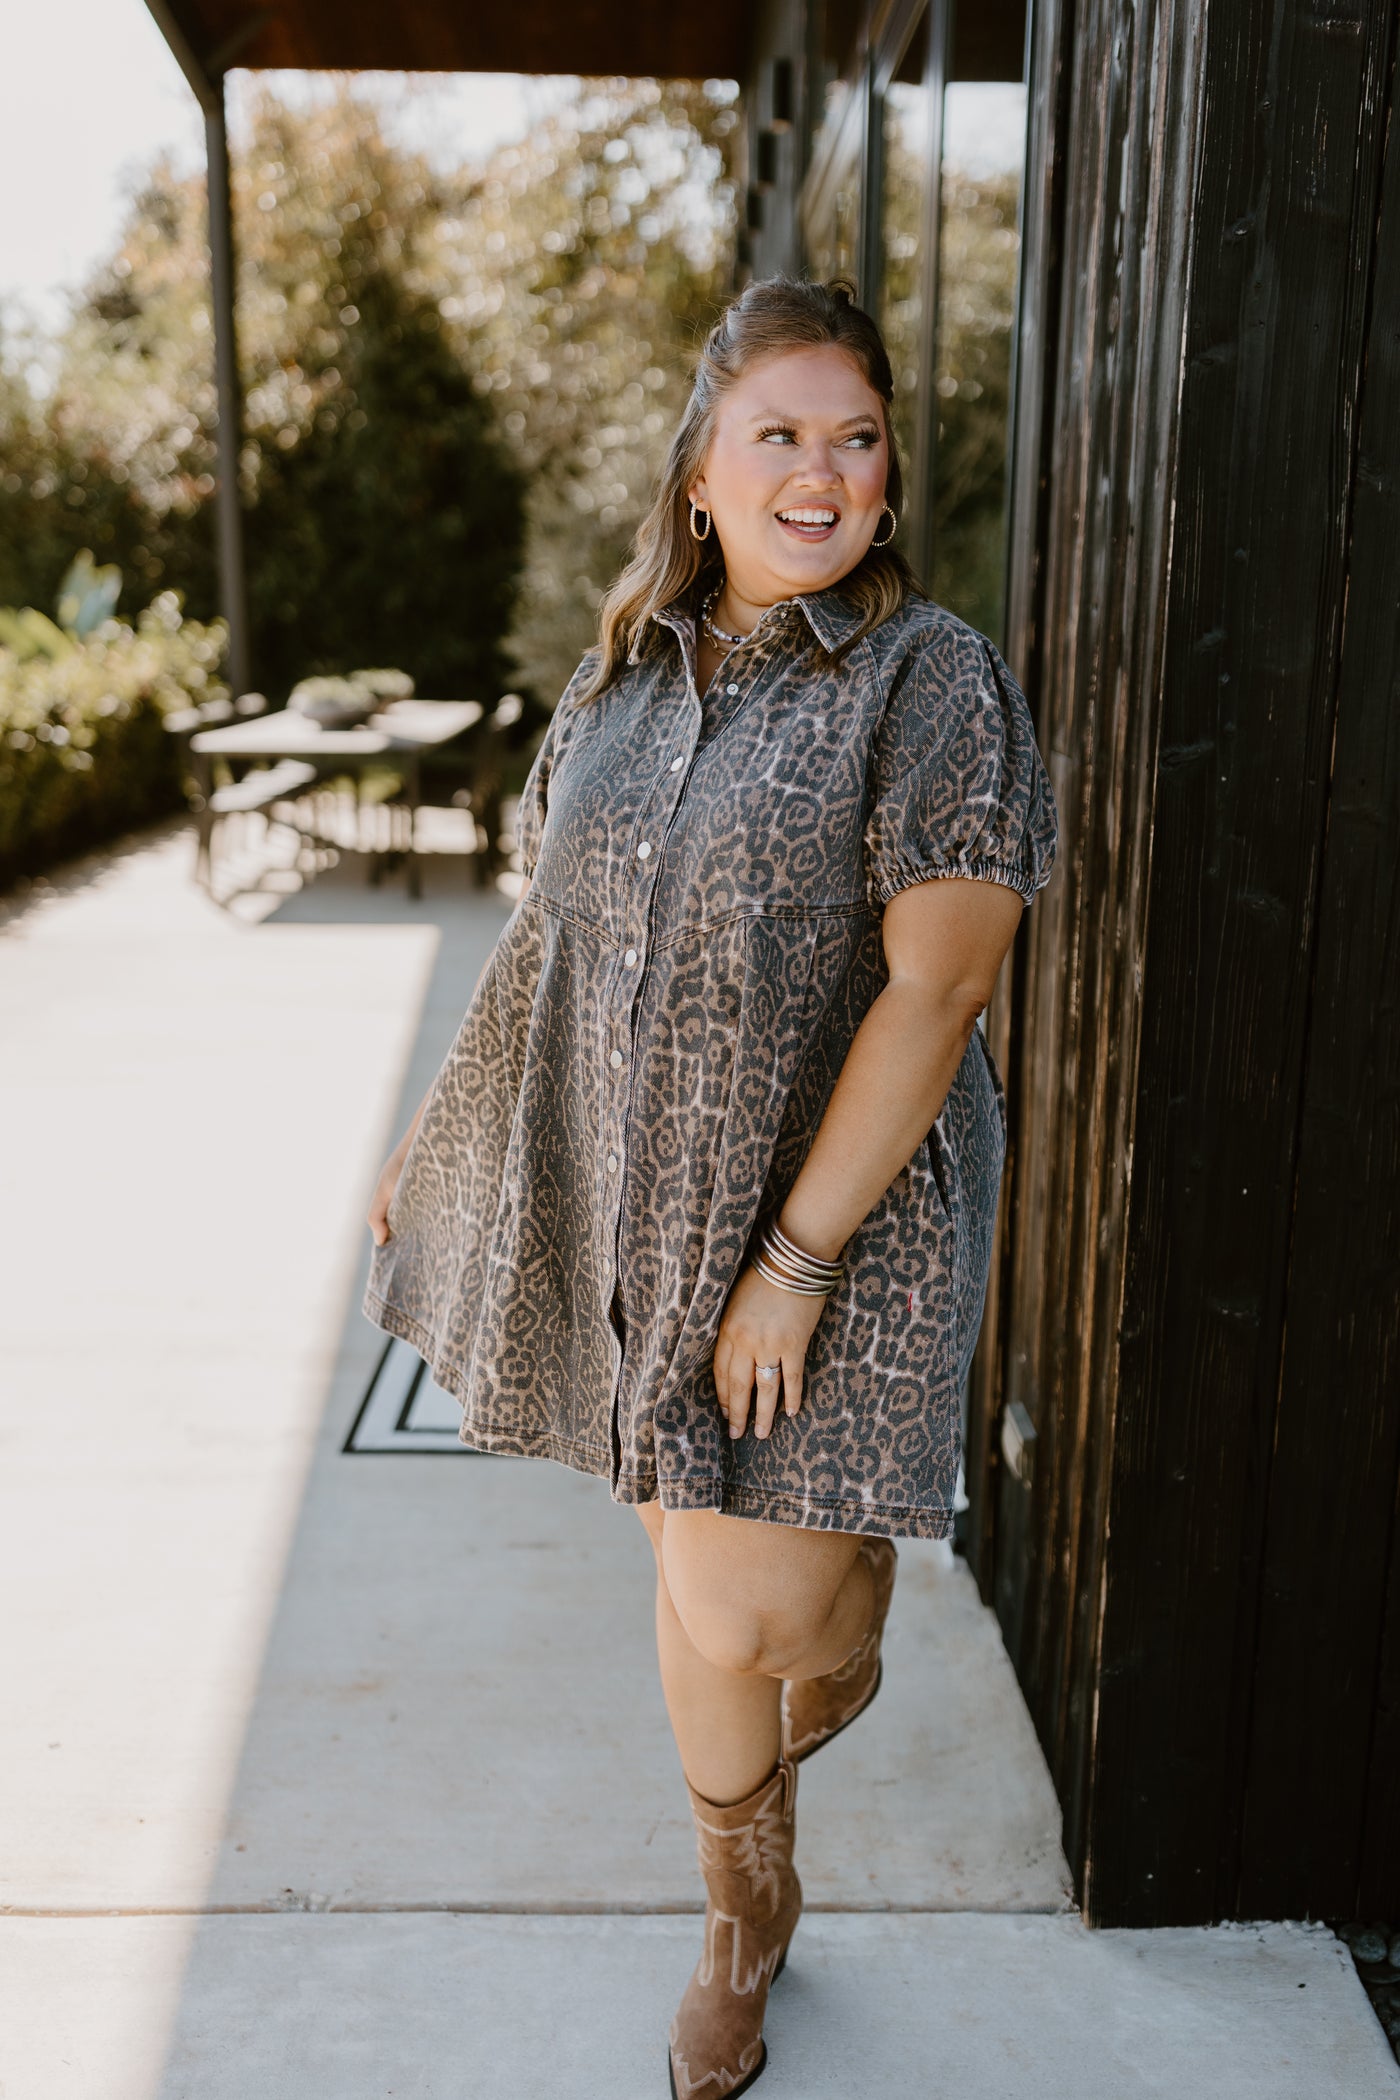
{"type": "Point", "coordinates": [831, 614]}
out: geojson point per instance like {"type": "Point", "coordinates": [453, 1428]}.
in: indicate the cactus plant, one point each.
{"type": "Point", "coordinates": [87, 595]}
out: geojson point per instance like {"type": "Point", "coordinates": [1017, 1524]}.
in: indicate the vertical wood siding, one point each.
{"type": "Point", "coordinates": [1285, 213]}
{"type": "Point", "coordinates": [1099, 348]}
{"type": "Point", "coordinates": [1322, 1782]}
{"type": "Point", "coordinates": [1197, 1295]}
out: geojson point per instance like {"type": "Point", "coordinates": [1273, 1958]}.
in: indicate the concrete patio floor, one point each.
{"type": "Point", "coordinates": [333, 1775]}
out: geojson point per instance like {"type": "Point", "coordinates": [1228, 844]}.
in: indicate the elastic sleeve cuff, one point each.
{"type": "Point", "coordinates": [905, 871]}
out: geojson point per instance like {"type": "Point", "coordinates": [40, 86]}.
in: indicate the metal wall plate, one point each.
{"type": "Point", "coordinates": [1018, 1442]}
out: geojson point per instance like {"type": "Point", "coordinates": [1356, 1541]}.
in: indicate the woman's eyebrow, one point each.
{"type": "Point", "coordinates": [783, 415]}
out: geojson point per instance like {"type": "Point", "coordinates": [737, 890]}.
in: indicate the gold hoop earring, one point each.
{"type": "Point", "coordinates": [894, 527]}
{"type": "Point", "coordinates": [709, 521]}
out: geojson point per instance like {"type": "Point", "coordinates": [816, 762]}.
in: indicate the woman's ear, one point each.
{"type": "Point", "coordinates": [698, 494]}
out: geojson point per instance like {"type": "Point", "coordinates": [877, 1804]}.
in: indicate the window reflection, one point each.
{"type": "Point", "coordinates": [984, 128]}
{"type": "Point", "coordinates": [904, 227]}
{"type": "Point", "coordinates": [833, 241]}
{"type": "Point", "coordinates": [833, 230]}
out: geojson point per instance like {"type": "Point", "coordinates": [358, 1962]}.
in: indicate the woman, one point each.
{"type": "Point", "coordinates": [702, 1198]}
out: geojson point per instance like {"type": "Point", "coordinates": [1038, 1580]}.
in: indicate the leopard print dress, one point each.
{"type": "Point", "coordinates": [651, 1047]}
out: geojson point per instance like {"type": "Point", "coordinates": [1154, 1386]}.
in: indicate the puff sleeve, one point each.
{"type": "Point", "coordinates": [534, 796]}
{"type": "Point", "coordinates": [958, 783]}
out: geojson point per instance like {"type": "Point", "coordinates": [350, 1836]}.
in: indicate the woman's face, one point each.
{"type": "Point", "coordinates": [796, 472]}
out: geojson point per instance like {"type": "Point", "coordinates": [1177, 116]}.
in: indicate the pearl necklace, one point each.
{"type": "Point", "coordinates": [717, 635]}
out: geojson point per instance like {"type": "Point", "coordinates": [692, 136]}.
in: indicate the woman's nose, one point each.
{"type": "Point", "coordinates": [817, 469]}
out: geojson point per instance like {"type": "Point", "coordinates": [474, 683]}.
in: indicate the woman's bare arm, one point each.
{"type": "Point", "coordinates": [945, 940]}
{"type": "Point", "coordinates": [378, 1215]}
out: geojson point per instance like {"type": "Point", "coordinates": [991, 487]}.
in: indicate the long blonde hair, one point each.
{"type": "Point", "coordinates": [773, 314]}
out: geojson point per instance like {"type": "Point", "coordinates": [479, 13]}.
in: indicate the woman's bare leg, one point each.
{"type": "Point", "coordinates": [740, 1606]}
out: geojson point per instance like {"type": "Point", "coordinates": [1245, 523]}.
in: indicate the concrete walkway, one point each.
{"type": "Point", "coordinates": [333, 1775]}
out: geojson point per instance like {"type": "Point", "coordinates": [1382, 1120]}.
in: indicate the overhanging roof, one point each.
{"type": "Point", "coordinates": [706, 41]}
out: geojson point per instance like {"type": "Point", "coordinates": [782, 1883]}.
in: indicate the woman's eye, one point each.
{"type": "Point", "coordinates": [865, 439]}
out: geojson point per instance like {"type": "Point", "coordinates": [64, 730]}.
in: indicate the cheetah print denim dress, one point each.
{"type": "Point", "coordinates": [651, 1047]}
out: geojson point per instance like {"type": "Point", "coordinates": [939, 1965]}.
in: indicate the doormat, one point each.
{"type": "Point", "coordinates": [405, 1409]}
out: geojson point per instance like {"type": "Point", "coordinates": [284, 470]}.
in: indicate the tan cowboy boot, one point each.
{"type": "Point", "coordinates": [817, 1708]}
{"type": "Point", "coordinates": [754, 1902]}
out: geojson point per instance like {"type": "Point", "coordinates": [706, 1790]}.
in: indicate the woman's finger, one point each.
{"type": "Point", "coordinates": [740, 1392]}
{"type": "Point", "coordinates": [793, 1367]}
{"type": "Point", "coordinates": [767, 1399]}
{"type": "Point", "coordinates": [720, 1370]}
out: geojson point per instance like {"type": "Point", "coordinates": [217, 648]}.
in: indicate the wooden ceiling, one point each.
{"type": "Point", "coordinates": [698, 42]}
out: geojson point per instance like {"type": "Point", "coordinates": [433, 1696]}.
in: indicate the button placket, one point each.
{"type": "Point", "coordinates": [628, 987]}
{"type": "Point", "coordinates": [638, 931]}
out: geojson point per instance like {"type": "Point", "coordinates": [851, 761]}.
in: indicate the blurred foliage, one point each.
{"type": "Point", "coordinates": [84, 754]}
{"type": "Point", "coordinates": [587, 264]}
{"type": "Point", "coordinates": [394, 526]}
{"type": "Point", "coordinates": [972, 393]}
{"type": "Point", "coordinates": [972, 376]}
{"type": "Point", "coordinates": [27, 633]}
{"type": "Point", "coordinates": [422, 355]}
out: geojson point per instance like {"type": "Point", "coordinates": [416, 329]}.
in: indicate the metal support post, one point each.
{"type": "Point", "coordinates": [233, 591]}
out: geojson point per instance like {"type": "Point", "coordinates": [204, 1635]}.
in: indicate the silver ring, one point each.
{"type": "Point", "coordinates": [767, 1370]}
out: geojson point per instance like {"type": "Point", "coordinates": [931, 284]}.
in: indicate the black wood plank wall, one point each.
{"type": "Point", "coordinates": [1322, 1784]}
{"type": "Point", "coordinates": [1235, 992]}
{"type": "Point", "coordinates": [1198, 1298]}
{"type": "Point", "coordinates": [1113, 102]}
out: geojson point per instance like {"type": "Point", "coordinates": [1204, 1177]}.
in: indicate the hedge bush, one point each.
{"type": "Point", "coordinates": [84, 754]}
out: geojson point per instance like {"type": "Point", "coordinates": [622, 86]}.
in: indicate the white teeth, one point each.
{"type": "Point", "coordinates": [808, 517]}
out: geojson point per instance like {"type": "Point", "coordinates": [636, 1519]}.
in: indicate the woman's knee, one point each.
{"type": "Point", "coordinates": [751, 1605]}
{"type": "Point", "coordinates": [736, 1634]}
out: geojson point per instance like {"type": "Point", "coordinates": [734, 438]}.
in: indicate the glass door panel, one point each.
{"type": "Point", "coordinates": [906, 230]}
{"type": "Point", "coordinates": [984, 132]}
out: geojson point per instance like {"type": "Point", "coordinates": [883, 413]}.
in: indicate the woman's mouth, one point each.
{"type": "Point", "coordinates": [810, 521]}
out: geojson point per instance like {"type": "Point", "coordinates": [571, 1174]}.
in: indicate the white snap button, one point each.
{"type": "Point", "coordinates": [644, 849]}
{"type": "Point", "coordinates": [677, 763]}
{"type": "Point", "coordinates": [615, 1059]}
{"type": "Point", "coordinates": [612, 1162]}
{"type": "Point", "coordinates": [731, 689]}
{"type": "Point", "coordinates": [630, 957]}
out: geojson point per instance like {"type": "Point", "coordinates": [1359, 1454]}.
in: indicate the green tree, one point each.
{"type": "Point", "coordinates": [585, 266]}
{"type": "Point", "coordinates": [392, 531]}
{"type": "Point", "coordinates": [564, 284]}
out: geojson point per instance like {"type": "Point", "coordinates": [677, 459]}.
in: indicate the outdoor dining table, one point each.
{"type": "Point", "coordinates": [400, 732]}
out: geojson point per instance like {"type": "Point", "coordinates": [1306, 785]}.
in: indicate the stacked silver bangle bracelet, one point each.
{"type": "Point", "coordinates": [784, 1263]}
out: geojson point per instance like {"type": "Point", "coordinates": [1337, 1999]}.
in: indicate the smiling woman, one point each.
{"type": "Point", "coordinates": [702, 1199]}
{"type": "Point", "coordinates": [756, 445]}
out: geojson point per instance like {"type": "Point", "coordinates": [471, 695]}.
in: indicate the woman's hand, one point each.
{"type": "Point", "coordinates": [762, 1324]}
{"type": "Point", "coordinates": [378, 1218]}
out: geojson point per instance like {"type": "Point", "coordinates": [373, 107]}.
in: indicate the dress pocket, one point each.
{"type": "Point", "coordinates": [998, 1090]}
{"type": "Point", "coordinates": [938, 1165]}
